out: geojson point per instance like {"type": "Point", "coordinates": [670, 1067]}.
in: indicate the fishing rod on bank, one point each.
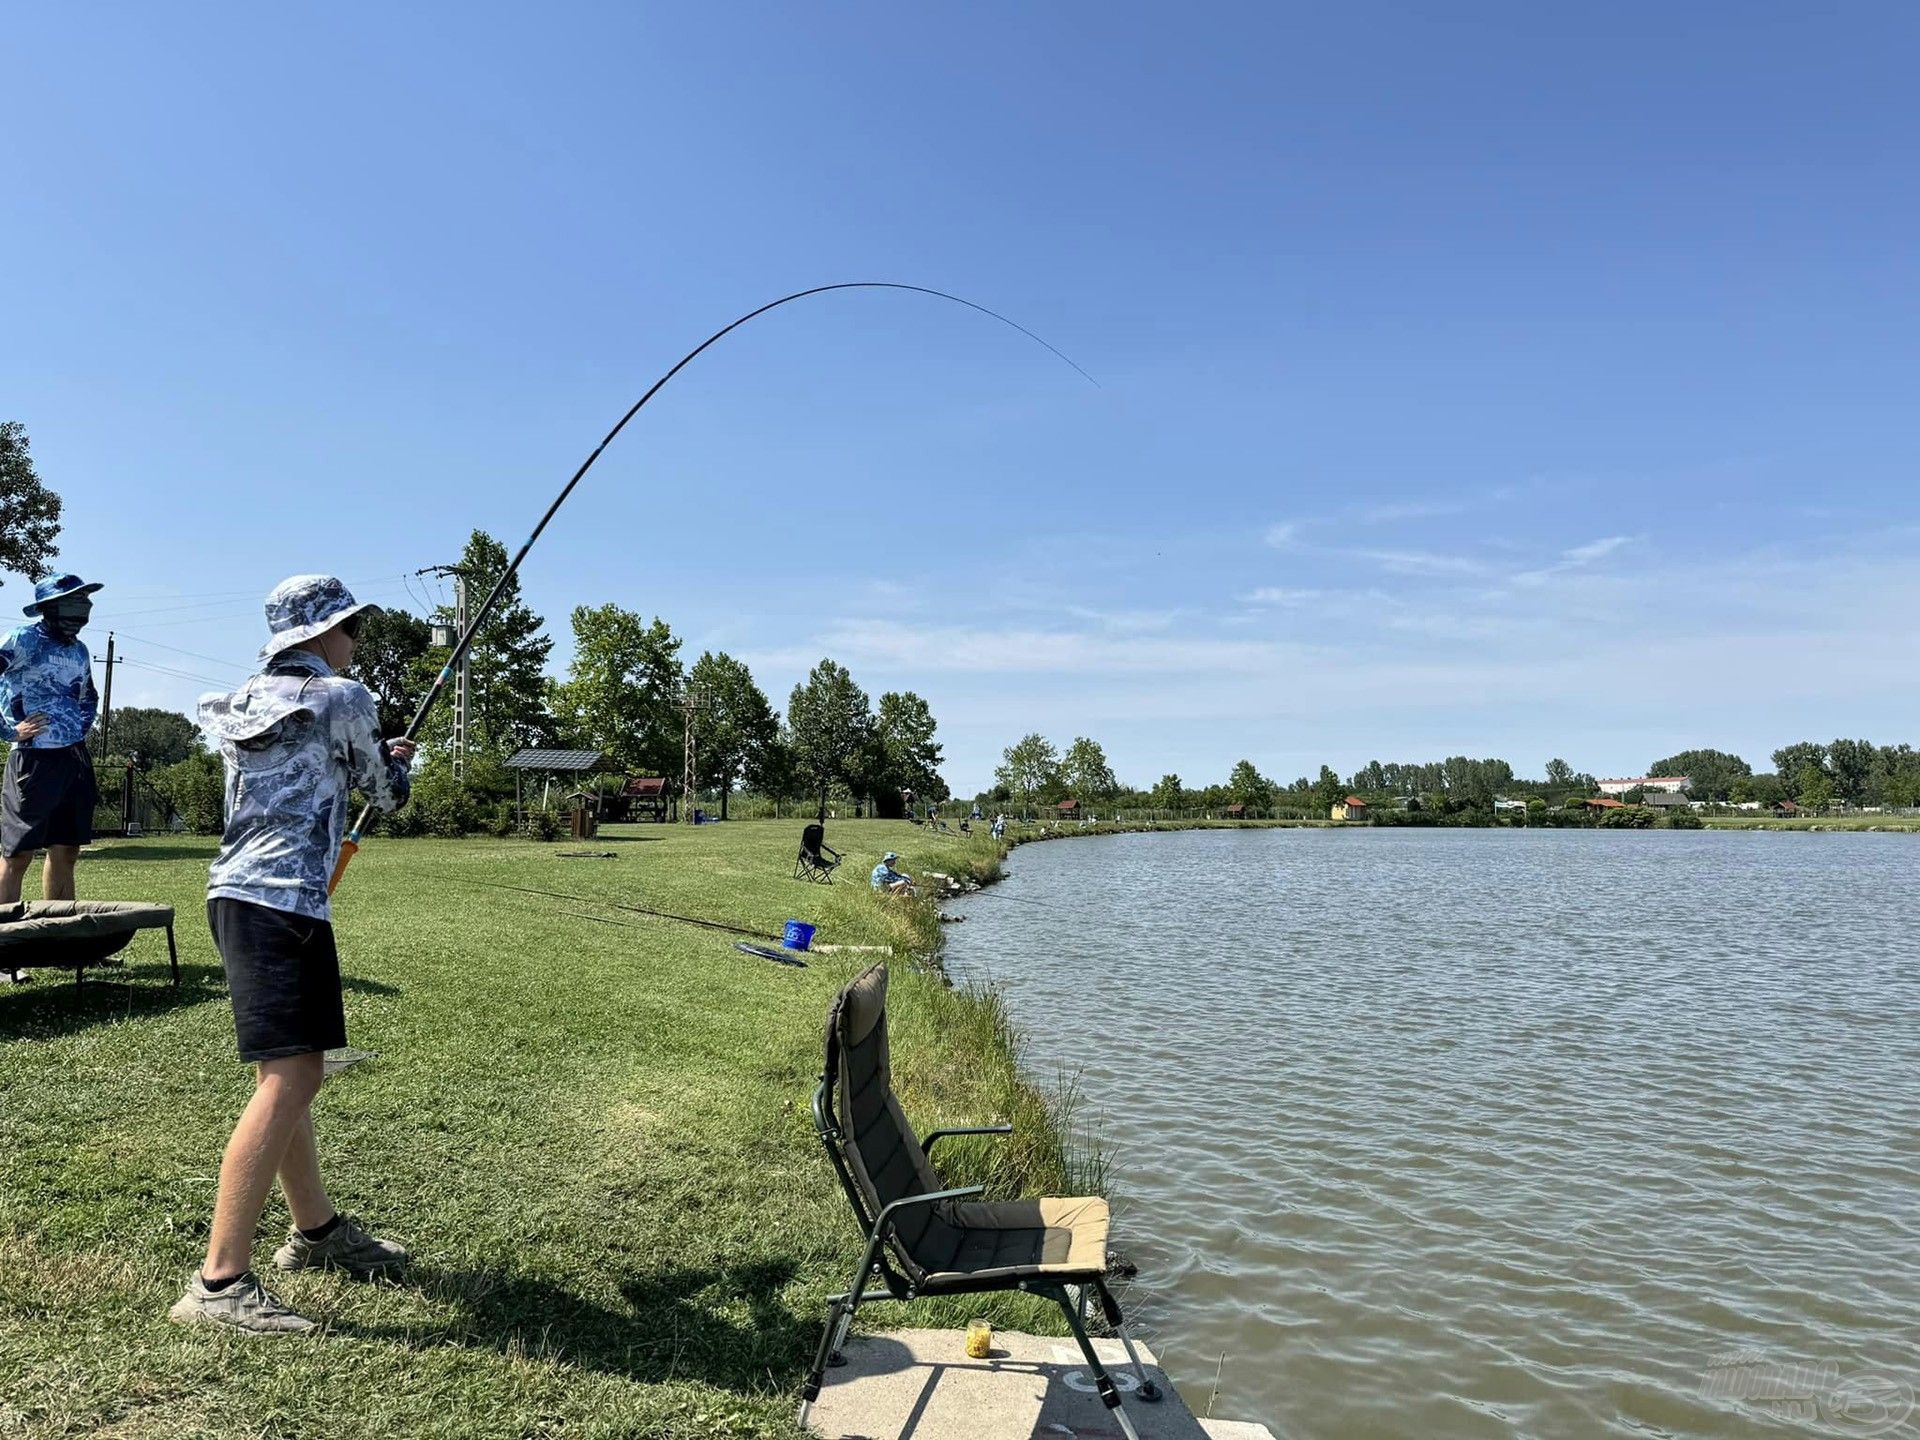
{"type": "Point", "coordinates": [351, 845]}
{"type": "Point", "coordinates": [605, 904]}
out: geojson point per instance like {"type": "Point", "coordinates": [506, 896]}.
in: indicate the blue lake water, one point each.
{"type": "Point", "coordinates": [1495, 1133]}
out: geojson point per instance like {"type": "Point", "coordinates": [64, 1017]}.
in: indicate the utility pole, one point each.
{"type": "Point", "coordinates": [106, 704]}
{"type": "Point", "coordinates": [689, 698]}
{"type": "Point", "coordinates": [462, 687]}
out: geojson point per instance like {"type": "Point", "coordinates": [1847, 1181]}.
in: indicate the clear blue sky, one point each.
{"type": "Point", "coordinates": [1474, 378]}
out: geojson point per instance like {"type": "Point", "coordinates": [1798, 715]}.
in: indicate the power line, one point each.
{"type": "Point", "coordinates": [170, 671]}
{"type": "Point", "coordinates": [381, 592]}
{"type": "Point", "coordinates": [223, 600]}
{"type": "Point", "coordinates": [191, 654]}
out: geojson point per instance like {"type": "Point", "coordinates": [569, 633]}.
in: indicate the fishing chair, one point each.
{"type": "Point", "coordinates": [817, 860]}
{"type": "Point", "coordinates": [924, 1239]}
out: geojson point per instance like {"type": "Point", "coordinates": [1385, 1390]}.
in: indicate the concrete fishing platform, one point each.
{"type": "Point", "coordinates": [920, 1385]}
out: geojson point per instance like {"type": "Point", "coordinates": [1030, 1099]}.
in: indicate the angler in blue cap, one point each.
{"type": "Point", "coordinates": [47, 706]}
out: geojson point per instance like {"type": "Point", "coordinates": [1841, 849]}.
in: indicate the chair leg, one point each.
{"type": "Point", "coordinates": [173, 958]}
{"type": "Point", "coordinates": [837, 1310]}
{"type": "Point", "coordinates": [1103, 1382]}
{"type": "Point", "coordinates": [1111, 1308]}
{"type": "Point", "coordinates": [840, 1311]}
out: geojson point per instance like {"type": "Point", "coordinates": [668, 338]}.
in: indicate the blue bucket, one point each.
{"type": "Point", "coordinates": [799, 935]}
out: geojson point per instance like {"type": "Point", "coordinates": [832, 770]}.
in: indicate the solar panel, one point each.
{"type": "Point", "coordinates": [566, 760]}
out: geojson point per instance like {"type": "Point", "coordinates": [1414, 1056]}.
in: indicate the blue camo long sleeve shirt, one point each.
{"type": "Point", "coordinates": [295, 740]}
{"type": "Point", "coordinates": [39, 674]}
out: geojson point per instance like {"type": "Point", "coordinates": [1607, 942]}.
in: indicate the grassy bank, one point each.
{"type": "Point", "coordinates": [1813, 822]}
{"type": "Point", "coordinates": [590, 1126]}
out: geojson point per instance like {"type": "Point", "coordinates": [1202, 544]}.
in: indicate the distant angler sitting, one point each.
{"type": "Point", "coordinates": [894, 882]}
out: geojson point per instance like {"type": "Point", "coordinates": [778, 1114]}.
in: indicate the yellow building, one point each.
{"type": "Point", "coordinates": [1351, 808]}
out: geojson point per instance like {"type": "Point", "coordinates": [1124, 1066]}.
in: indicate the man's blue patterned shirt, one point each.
{"type": "Point", "coordinates": [38, 673]}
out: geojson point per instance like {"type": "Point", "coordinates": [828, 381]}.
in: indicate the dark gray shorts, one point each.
{"type": "Point", "coordinates": [47, 799]}
{"type": "Point", "coordinates": [284, 976]}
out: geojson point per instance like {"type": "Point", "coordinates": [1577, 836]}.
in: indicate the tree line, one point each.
{"type": "Point", "coordinates": [1034, 773]}
{"type": "Point", "coordinates": [627, 693]}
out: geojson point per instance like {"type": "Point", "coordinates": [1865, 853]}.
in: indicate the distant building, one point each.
{"type": "Point", "coordinates": [1235, 812]}
{"type": "Point", "coordinates": [1069, 807]}
{"type": "Point", "coordinates": [1786, 807]}
{"type": "Point", "coordinates": [643, 795]}
{"type": "Point", "coordinates": [1667, 800]}
{"type": "Point", "coordinates": [1501, 803]}
{"type": "Point", "coordinates": [1604, 802]}
{"type": "Point", "coordinates": [1351, 808]}
{"type": "Point", "coordinates": [1667, 784]}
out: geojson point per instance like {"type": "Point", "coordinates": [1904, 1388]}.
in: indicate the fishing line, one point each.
{"type": "Point", "coordinates": [351, 845]}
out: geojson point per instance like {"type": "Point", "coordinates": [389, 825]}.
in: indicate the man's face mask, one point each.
{"type": "Point", "coordinates": [65, 619]}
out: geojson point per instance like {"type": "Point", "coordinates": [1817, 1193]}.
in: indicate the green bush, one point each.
{"type": "Point", "coordinates": [1682, 820]}
{"type": "Point", "coordinates": [1627, 817]}
{"type": "Point", "coordinates": [545, 824]}
{"type": "Point", "coordinates": [442, 806]}
{"type": "Point", "coordinates": [196, 788]}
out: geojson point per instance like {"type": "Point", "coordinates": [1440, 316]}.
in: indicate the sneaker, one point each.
{"type": "Point", "coordinates": [347, 1248]}
{"type": "Point", "coordinates": [244, 1305]}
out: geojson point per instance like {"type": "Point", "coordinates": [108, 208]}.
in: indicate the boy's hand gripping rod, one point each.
{"type": "Point", "coordinates": [351, 845]}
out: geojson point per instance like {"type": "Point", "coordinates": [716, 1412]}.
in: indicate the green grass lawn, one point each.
{"type": "Point", "coordinates": [590, 1126]}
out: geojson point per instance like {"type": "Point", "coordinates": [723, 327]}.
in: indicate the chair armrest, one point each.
{"type": "Point", "coordinates": [932, 1196]}
{"type": "Point", "coordinates": [884, 1221]}
{"type": "Point", "coordinates": [933, 1136]}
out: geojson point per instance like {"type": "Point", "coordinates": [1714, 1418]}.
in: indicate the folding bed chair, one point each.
{"type": "Point", "coordinates": [817, 860]}
{"type": "Point", "coordinates": [924, 1239]}
{"type": "Point", "coordinates": [75, 934]}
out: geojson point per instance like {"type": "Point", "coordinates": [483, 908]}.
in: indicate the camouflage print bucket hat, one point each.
{"type": "Point", "coordinates": [304, 606]}
{"type": "Point", "coordinates": [59, 587]}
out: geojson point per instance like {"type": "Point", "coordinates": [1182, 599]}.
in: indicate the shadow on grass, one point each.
{"type": "Point", "coordinates": [52, 1005]}
{"type": "Point", "coordinates": [141, 850]}
{"type": "Point", "coordinates": [723, 1325]}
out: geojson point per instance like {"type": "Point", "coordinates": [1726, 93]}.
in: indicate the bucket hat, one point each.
{"type": "Point", "coordinates": [58, 587]}
{"type": "Point", "coordinates": [889, 857]}
{"type": "Point", "coordinates": [303, 606]}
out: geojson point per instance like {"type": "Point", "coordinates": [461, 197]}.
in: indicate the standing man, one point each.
{"type": "Point", "coordinates": [47, 706]}
{"type": "Point", "coordinates": [295, 739]}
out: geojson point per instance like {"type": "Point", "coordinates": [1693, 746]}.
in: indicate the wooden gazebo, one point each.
{"type": "Point", "coordinates": [574, 764]}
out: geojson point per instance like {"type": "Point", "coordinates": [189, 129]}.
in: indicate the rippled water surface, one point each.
{"type": "Point", "coordinates": [1458, 1133]}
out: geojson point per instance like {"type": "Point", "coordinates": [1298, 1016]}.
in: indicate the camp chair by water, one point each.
{"type": "Point", "coordinates": [925, 1239]}
{"type": "Point", "coordinates": [817, 860]}
{"type": "Point", "coordinates": [74, 934]}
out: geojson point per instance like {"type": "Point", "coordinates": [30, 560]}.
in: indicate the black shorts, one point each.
{"type": "Point", "coordinates": [47, 799]}
{"type": "Point", "coordinates": [284, 976]}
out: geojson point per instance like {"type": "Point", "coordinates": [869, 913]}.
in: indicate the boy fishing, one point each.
{"type": "Point", "coordinates": [47, 706]}
{"type": "Point", "coordinates": [295, 738]}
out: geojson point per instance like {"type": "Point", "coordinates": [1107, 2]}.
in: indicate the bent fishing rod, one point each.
{"type": "Point", "coordinates": [351, 845]}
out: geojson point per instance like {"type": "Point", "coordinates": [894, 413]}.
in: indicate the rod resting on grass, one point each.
{"type": "Point", "coordinates": [351, 845]}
